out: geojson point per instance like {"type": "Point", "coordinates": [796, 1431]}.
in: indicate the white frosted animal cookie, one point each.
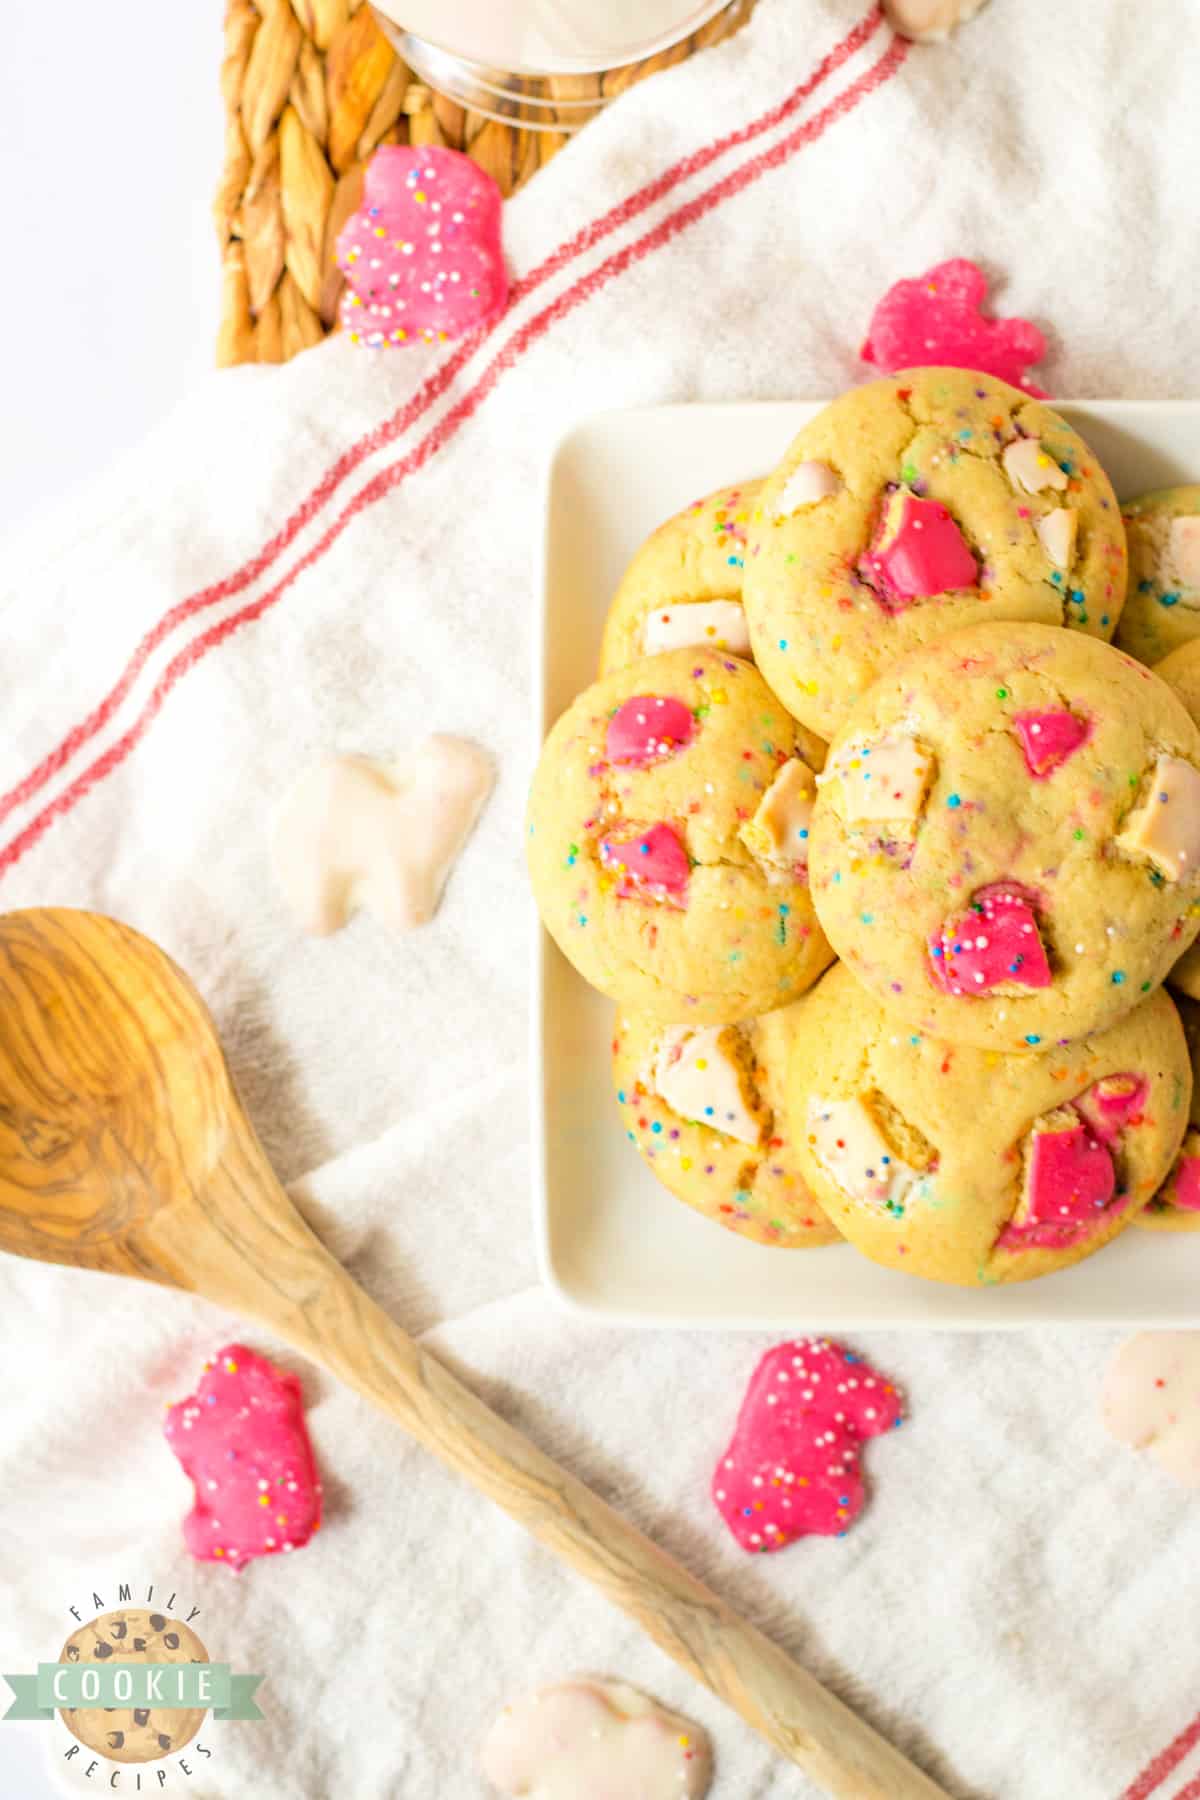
{"type": "Point", "coordinates": [1152, 1399]}
{"type": "Point", "coordinates": [930, 21]}
{"type": "Point", "coordinates": [358, 835]}
{"type": "Point", "coordinates": [588, 1739]}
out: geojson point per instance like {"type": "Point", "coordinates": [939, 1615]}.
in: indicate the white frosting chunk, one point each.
{"type": "Point", "coordinates": [778, 832]}
{"type": "Point", "coordinates": [855, 1155]}
{"type": "Point", "coordinates": [1181, 564]}
{"type": "Point", "coordinates": [1166, 826]}
{"type": "Point", "coordinates": [1057, 533]}
{"type": "Point", "coordinates": [1027, 466]}
{"type": "Point", "coordinates": [699, 1079]}
{"type": "Point", "coordinates": [721, 623]}
{"type": "Point", "coordinates": [886, 779]}
{"type": "Point", "coordinates": [807, 483]}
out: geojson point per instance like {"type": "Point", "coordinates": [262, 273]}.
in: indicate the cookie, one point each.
{"type": "Point", "coordinates": [684, 586]}
{"type": "Point", "coordinates": [792, 1467]}
{"type": "Point", "coordinates": [703, 1105]}
{"type": "Point", "coordinates": [1181, 671]}
{"type": "Point", "coordinates": [122, 1734]}
{"type": "Point", "coordinates": [1162, 610]}
{"type": "Point", "coordinates": [972, 1167]}
{"type": "Point", "coordinates": [589, 1739]}
{"type": "Point", "coordinates": [668, 840]}
{"type": "Point", "coordinates": [354, 833]}
{"type": "Point", "coordinates": [421, 255]}
{"type": "Point", "coordinates": [242, 1441]}
{"type": "Point", "coordinates": [1006, 840]}
{"type": "Point", "coordinates": [911, 508]}
{"type": "Point", "coordinates": [1176, 1206]}
{"type": "Point", "coordinates": [1152, 1400]}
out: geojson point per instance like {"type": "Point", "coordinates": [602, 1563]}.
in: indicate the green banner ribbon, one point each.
{"type": "Point", "coordinates": [169, 1687]}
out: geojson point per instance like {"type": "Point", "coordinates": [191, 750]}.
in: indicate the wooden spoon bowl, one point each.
{"type": "Point", "coordinates": [124, 1147]}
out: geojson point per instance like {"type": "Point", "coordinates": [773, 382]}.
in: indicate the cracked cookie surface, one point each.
{"type": "Point", "coordinates": [1013, 897]}
{"type": "Point", "coordinates": [636, 857]}
{"type": "Point", "coordinates": [684, 585]}
{"type": "Point", "coordinates": [679, 1090]}
{"type": "Point", "coordinates": [951, 1181]}
{"type": "Point", "coordinates": [934, 477]}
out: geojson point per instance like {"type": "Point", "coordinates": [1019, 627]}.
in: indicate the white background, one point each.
{"type": "Point", "coordinates": [110, 148]}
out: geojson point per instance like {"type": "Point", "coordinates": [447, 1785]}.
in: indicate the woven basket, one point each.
{"type": "Point", "coordinates": [311, 88]}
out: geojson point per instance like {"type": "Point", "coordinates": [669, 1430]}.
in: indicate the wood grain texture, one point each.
{"type": "Point", "coordinates": [311, 88]}
{"type": "Point", "coordinates": [123, 1147]}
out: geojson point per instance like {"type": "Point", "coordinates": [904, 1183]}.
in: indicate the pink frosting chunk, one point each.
{"type": "Point", "coordinates": [422, 255]}
{"type": "Point", "coordinates": [792, 1467]}
{"type": "Point", "coordinates": [918, 551]}
{"type": "Point", "coordinates": [938, 319]}
{"type": "Point", "coordinates": [1185, 1192]}
{"type": "Point", "coordinates": [1069, 1182]}
{"type": "Point", "coordinates": [241, 1440]}
{"type": "Point", "coordinates": [652, 866]}
{"type": "Point", "coordinates": [1048, 738]}
{"type": "Point", "coordinates": [994, 943]}
{"type": "Point", "coordinates": [1112, 1103]}
{"type": "Point", "coordinates": [648, 729]}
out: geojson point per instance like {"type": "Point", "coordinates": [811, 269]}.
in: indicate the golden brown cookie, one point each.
{"type": "Point", "coordinates": [668, 840]}
{"type": "Point", "coordinates": [704, 1108]}
{"type": "Point", "coordinates": [971, 1167]}
{"type": "Point", "coordinates": [1006, 841]}
{"type": "Point", "coordinates": [910, 508]}
{"type": "Point", "coordinates": [1162, 609]}
{"type": "Point", "coordinates": [1176, 1206]}
{"type": "Point", "coordinates": [684, 586]}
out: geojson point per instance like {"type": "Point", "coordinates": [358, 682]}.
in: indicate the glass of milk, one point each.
{"type": "Point", "coordinates": [535, 63]}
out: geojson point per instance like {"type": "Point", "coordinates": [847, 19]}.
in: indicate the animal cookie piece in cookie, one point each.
{"type": "Point", "coordinates": [667, 840]}
{"type": "Point", "coordinates": [1152, 1399]}
{"type": "Point", "coordinates": [141, 1734]}
{"type": "Point", "coordinates": [684, 586]}
{"type": "Point", "coordinates": [703, 1107]}
{"type": "Point", "coordinates": [973, 1167]}
{"type": "Point", "coordinates": [949, 497]}
{"type": "Point", "coordinates": [421, 256]}
{"type": "Point", "coordinates": [1045, 875]}
{"type": "Point", "coordinates": [589, 1739]}
{"type": "Point", "coordinates": [1163, 606]}
{"type": "Point", "coordinates": [792, 1467]}
{"type": "Point", "coordinates": [1176, 1205]}
{"type": "Point", "coordinates": [382, 837]}
{"type": "Point", "coordinates": [242, 1441]}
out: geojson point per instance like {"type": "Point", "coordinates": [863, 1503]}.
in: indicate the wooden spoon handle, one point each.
{"type": "Point", "coordinates": [772, 1692]}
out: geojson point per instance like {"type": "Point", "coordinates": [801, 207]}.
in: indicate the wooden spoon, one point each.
{"type": "Point", "coordinates": [123, 1147]}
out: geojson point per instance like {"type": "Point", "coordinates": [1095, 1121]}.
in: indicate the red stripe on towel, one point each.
{"type": "Point", "coordinates": [388, 479]}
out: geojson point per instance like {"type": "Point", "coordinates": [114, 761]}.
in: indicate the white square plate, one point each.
{"type": "Point", "coordinates": [612, 1243]}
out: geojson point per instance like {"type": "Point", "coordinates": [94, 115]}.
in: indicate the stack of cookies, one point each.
{"type": "Point", "coordinates": [869, 709]}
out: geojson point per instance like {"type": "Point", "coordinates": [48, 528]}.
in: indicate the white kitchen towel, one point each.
{"type": "Point", "coordinates": [338, 554]}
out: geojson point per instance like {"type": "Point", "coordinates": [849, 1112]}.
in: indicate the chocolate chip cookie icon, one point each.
{"type": "Point", "coordinates": [133, 1735]}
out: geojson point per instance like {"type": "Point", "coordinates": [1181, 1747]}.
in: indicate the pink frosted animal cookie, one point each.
{"type": "Point", "coordinates": [792, 1468]}
{"type": "Point", "coordinates": [241, 1440]}
{"type": "Point", "coordinates": [382, 837]}
{"type": "Point", "coordinates": [1152, 1399]}
{"type": "Point", "coordinates": [595, 1740]}
{"type": "Point", "coordinates": [937, 318]}
{"type": "Point", "coordinates": [421, 256]}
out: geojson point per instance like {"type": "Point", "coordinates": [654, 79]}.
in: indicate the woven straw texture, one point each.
{"type": "Point", "coordinates": [311, 88]}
